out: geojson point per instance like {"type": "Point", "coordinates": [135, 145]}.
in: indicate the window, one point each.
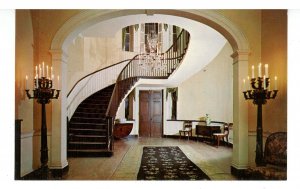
{"type": "Point", "coordinates": [127, 38]}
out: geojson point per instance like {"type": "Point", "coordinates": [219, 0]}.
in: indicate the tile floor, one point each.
{"type": "Point", "coordinates": [125, 163]}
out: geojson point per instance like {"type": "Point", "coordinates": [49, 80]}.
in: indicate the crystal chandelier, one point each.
{"type": "Point", "coordinates": [152, 60]}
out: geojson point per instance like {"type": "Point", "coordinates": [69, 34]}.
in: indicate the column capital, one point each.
{"type": "Point", "coordinates": [59, 55]}
{"type": "Point", "coordinates": [240, 55]}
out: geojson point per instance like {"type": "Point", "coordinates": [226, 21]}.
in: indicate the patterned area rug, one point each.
{"type": "Point", "coordinates": [168, 163]}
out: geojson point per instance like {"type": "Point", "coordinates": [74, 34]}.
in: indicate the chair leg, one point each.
{"type": "Point", "coordinates": [218, 141]}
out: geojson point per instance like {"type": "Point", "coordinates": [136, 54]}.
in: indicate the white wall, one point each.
{"type": "Point", "coordinates": [210, 91]}
{"type": "Point", "coordinates": [88, 54]}
{"type": "Point", "coordinates": [23, 105]}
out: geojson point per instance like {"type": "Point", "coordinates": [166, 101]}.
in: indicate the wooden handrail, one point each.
{"type": "Point", "coordinates": [94, 73]}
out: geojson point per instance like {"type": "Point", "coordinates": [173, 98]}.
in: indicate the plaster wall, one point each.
{"type": "Point", "coordinates": [209, 91]}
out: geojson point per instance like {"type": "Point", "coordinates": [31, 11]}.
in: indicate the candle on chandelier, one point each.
{"type": "Point", "coordinates": [248, 83]}
{"type": "Point", "coordinates": [244, 81]}
{"type": "Point", "coordinates": [36, 70]}
{"type": "Point", "coordinates": [267, 70]}
{"type": "Point", "coordinates": [265, 86]}
{"type": "Point", "coordinates": [252, 72]}
{"type": "Point", "coordinates": [51, 72]}
{"type": "Point", "coordinates": [47, 71]}
{"type": "Point", "coordinates": [43, 70]}
{"type": "Point", "coordinates": [52, 78]}
{"type": "Point", "coordinates": [259, 70]}
{"type": "Point", "coordinates": [37, 81]}
{"type": "Point", "coordinates": [58, 82]}
{"type": "Point", "coordinates": [26, 77]}
{"type": "Point", "coordinates": [275, 83]}
{"type": "Point", "coordinates": [40, 71]}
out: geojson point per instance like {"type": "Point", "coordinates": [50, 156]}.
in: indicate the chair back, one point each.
{"type": "Point", "coordinates": [226, 129]}
{"type": "Point", "coordinates": [187, 125]}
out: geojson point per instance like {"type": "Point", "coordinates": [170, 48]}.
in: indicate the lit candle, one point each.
{"type": "Point", "coordinates": [266, 70]}
{"type": "Point", "coordinates": [43, 70]}
{"type": "Point", "coordinates": [265, 82]}
{"type": "Point", "coordinates": [26, 77]}
{"type": "Point", "coordinates": [52, 78]}
{"type": "Point", "coordinates": [36, 70]}
{"type": "Point", "coordinates": [244, 84]}
{"type": "Point", "coordinates": [40, 71]}
{"type": "Point", "coordinates": [37, 81]}
{"type": "Point", "coordinates": [259, 70]}
{"type": "Point", "coordinates": [58, 82]}
{"type": "Point", "coordinates": [47, 71]}
{"type": "Point", "coordinates": [252, 71]}
{"type": "Point", "coordinates": [51, 72]}
{"type": "Point", "coordinates": [275, 84]}
{"type": "Point", "coordinates": [248, 83]}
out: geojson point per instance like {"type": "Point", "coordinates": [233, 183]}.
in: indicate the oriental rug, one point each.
{"type": "Point", "coordinates": [168, 163]}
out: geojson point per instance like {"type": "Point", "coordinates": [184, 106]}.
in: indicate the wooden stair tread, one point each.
{"type": "Point", "coordinates": [88, 150]}
{"type": "Point", "coordinates": [82, 129]}
{"type": "Point", "coordinates": [75, 142]}
{"type": "Point", "coordinates": [89, 123]}
{"type": "Point", "coordinates": [89, 136]}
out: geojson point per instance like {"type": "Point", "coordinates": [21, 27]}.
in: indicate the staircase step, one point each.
{"type": "Point", "coordinates": [96, 105]}
{"type": "Point", "coordinates": [88, 114]}
{"type": "Point", "coordinates": [87, 138]}
{"type": "Point", "coordinates": [90, 153]}
{"type": "Point", "coordinates": [87, 129]}
{"type": "Point", "coordinates": [87, 125]}
{"type": "Point", "coordinates": [94, 120]}
{"type": "Point", "coordinates": [86, 145]}
{"type": "Point", "coordinates": [80, 131]}
{"type": "Point", "coordinates": [91, 110]}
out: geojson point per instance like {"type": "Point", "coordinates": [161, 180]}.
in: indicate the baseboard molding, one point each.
{"type": "Point", "coordinates": [239, 173]}
{"type": "Point", "coordinates": [200, 139]}
{"type": "Point", "coordinates": [59, 173]}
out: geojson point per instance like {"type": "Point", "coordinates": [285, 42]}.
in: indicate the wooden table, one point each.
{"type": "Point", "coordinates": [122, 130]}
{"type": "Point", "coordinates": [207, 131]}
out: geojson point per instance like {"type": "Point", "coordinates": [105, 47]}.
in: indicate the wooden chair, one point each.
{"type": "Point", "coordinates": [186, 130]}
{"type": "Point", "coordinates": [219, 136]}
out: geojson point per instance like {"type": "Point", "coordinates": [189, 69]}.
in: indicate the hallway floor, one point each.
{"type": "Point", "coordinates": [125, 163]}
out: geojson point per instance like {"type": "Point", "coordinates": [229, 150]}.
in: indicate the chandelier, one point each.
{"type": "Point", "coordinates": [152, 60]}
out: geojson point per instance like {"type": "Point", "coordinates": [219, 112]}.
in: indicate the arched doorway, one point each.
{"type": "Point", "coordinates": [213, 19]}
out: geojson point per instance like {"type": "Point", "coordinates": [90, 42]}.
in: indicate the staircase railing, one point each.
{"type": "Point", "coordinates": [92, 83]}
{"type": "Point", "coordinates": [135, 70]}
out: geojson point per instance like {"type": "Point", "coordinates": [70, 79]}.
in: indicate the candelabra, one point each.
{"type": "Point", "coordinates": [260, 94]}
{"type": "Point", "coordinates": [43, 92]}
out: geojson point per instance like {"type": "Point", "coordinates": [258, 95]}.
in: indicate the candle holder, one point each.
{"type": "Point", "coordinates": [259, 94]}
{"type": "Point", "coordinates": [43, 92]}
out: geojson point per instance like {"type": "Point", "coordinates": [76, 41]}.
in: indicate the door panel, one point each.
{"type": "Point", "coordinates": [151, 113]}
{"type": "Point", "coordinates": [144, 130]}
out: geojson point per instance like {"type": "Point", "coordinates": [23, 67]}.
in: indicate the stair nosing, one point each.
{"type": "Point", "coordinates": [90, 136]}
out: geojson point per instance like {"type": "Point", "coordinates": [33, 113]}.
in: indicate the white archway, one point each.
{"type": "Point", "coordinates": [87, 18]}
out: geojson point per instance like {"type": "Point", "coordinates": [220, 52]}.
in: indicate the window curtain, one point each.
{"type": "Point", "coordinates": [174, 97]}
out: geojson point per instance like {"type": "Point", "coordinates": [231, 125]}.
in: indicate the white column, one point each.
{"type": "Point", "coordinates": [58, 148]}
{"type": "Point", "coordinates": [240, 111]}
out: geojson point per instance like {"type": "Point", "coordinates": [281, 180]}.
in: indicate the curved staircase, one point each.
{"type": "Point", "coordinates": [87, 129]}
{"type": "Point", "coordinates": [90, 130]}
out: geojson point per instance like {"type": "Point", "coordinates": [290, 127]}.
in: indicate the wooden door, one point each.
{"type": "Point", "coordinates": [150, 124]}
